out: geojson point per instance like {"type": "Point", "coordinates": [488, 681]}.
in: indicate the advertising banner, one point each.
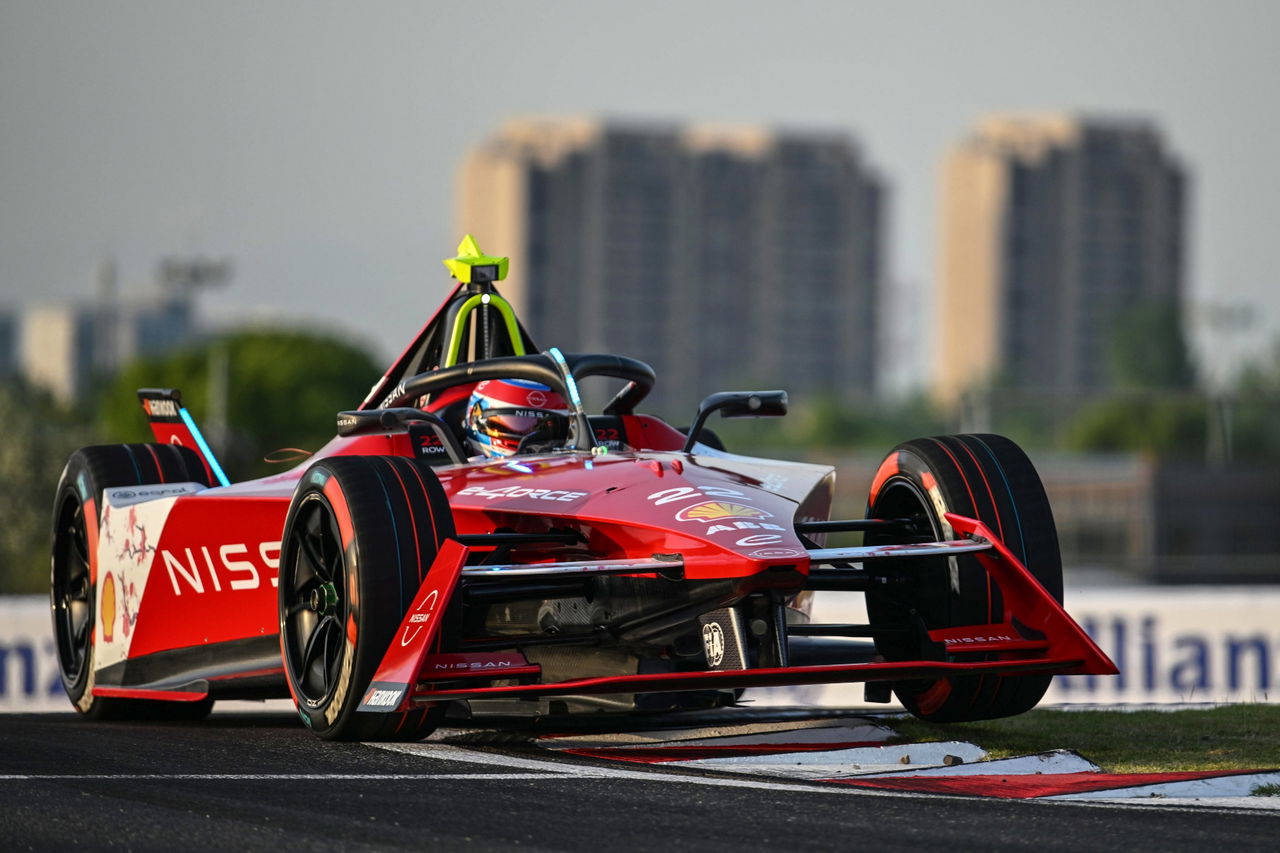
{"type": "Point", "coordinates": [1179, 644]}
{"type": "Point", "coordinates": [29, 678]}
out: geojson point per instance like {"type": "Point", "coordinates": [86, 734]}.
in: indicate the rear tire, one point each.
{"type": "Point", "coordinates": [73, 567]}
{"type": "Point", "coordinates": [987, 477]}
{"type": "Point", "coordinates": [361, 533]}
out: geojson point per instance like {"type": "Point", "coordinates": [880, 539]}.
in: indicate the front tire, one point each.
{"type": "Point", "coordinates": [987, 477]}
{"type": "Point", "coordinates": [73, 578]}
{"type": "Point", "coordinates": [359, 538]}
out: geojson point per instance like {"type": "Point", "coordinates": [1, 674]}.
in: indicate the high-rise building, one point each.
{"type": "Point", "coordinates": [724, 257]}
{"type": "Point", "coordinates": [9, 327]}
{"type": "Point", "coordinates": [64, 348]}
{"type": "Point", "coordinates": [1053, 227]}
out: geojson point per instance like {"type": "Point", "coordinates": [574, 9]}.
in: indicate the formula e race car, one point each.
{"type": "Point", "coordinates": [474, 541]}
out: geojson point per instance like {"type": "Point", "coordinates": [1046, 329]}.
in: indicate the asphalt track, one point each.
{"type": "Point", "coordinates": [263, 782]}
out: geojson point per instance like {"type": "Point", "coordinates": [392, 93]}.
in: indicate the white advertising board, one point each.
{"type": "Point", "coordinates": [1179, 644]}
{"type": "Point", "coordinates": [29, 678]}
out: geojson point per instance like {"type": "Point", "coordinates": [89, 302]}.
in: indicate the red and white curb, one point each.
{"type": "Point", "coordinates": [840, 762]}
{"type": "Point", "coordinates": [853, 752]}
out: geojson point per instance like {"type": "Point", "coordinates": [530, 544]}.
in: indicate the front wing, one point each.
{"type": "Point", "coordinates": [1035, 635]}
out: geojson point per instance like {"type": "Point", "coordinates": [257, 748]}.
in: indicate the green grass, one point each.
{"type": "Point", "coordinates": [1234, 737]}
{"type": "Point", "coordinates": [1265, 791]}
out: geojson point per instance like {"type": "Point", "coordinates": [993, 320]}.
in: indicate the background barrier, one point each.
{"type": "Point", "coordinates": [29, 678]}
{"type": "Point", "coordinates": [1172, 644]}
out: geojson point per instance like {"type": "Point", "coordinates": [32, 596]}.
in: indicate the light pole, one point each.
{"type": "Point", "coordinates": [1225, 322]}
{"type": "Point", "coordinates": [181, 278]}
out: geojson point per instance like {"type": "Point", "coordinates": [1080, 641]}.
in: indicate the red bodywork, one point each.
{"type": "Point", "coordinates": [203, 614]}
{"type": "Point", "coordinates": [213, 572]}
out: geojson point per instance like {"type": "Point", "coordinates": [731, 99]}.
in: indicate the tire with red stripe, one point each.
{"type": "Point", "coordinates": [987, 477]}
{"type": "Point", "coordinates": [73, 592]}
{"type": "Point", "coordinates": [361, 533]}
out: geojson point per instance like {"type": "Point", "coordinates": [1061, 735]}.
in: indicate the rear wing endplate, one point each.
{"type": "Point", "coordinates": [171, 423]}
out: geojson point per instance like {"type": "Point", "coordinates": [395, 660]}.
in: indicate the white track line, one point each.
{"type": "Point", "coordinates": [266, 777]}
{"type": "Point", "coordinates": [825, 734]}
{"type": "Point", "coordinates": [560, 770]}
{"type": "Point", "coordinates": [1188, 804]}
{"type": "Point", "coordinates": [658, 737]}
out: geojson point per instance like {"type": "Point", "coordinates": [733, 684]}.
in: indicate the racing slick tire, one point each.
{"type": "Point", "coordinates": [77, 511]}
{"type": "Point", "coordinates": [361, 533]}
{"type": "Point", "coordinates": [987, 477]}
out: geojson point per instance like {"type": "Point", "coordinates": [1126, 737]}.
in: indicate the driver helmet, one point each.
{"type": "Point", "coordinates": [503, 412]}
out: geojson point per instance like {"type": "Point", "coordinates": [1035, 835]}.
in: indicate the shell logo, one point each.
{"type": "Point", "coordinates": [713, 643]}
{"type": "Point", "coordinates": [717, 510]}
{"type": "Point", "coordinates": [108, 607]}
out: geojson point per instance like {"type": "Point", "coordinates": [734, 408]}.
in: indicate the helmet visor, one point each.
{"type": "Point", "coordinates": [517, 423]}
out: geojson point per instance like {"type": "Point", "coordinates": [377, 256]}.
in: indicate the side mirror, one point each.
{"type": "Point", "coordinates": [364, 421]}
{"type": "Point", "coordinates": [737, 404]}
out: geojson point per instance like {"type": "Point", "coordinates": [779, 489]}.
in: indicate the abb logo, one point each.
{"type": "Point", "coordinates": [196, 566]}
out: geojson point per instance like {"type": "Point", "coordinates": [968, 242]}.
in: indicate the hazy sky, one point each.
{"type": "Point", "coordinates": [316, 143]}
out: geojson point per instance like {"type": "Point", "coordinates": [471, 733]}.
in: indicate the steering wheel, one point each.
{"type": "Point", "coordinates": [543, 368]}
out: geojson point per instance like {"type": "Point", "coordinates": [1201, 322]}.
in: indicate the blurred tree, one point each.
{"type": "Point", "coordinates": [1154, 409]}
{"type": "Point", "coordinates": [823, 422]}
{"type": "Point", "coordinates": [1147, 349]}
{"type": "Point", "coordinates": [38, 438]}
{"type": "Point", "coordinates": [283, 388]}
{"type": "Point", "coordinates": [1255, 410]}
{"type": "Point", "coordinates": [1158, 424]}
{"type": "Point", "coordinates": [1034, 418]}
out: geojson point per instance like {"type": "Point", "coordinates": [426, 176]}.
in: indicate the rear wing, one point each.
{"type": "Point", "coordinates": [171, 423]}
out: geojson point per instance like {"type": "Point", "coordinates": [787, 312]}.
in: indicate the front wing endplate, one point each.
{"type": "Point", "coordinates": [389, 690]}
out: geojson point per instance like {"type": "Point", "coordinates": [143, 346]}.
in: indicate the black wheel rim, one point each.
{"type": "Point", "coordinates": [315, 601]}
{"type": "Point", "coordinates": [900, 498]}
{"type": "Point", "coordinates": [72, 590]}
{"type": "Point", "coordinates": [901, 608]}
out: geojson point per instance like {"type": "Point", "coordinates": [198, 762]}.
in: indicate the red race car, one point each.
{"type": "Point", "coordinates": [473, 540]}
